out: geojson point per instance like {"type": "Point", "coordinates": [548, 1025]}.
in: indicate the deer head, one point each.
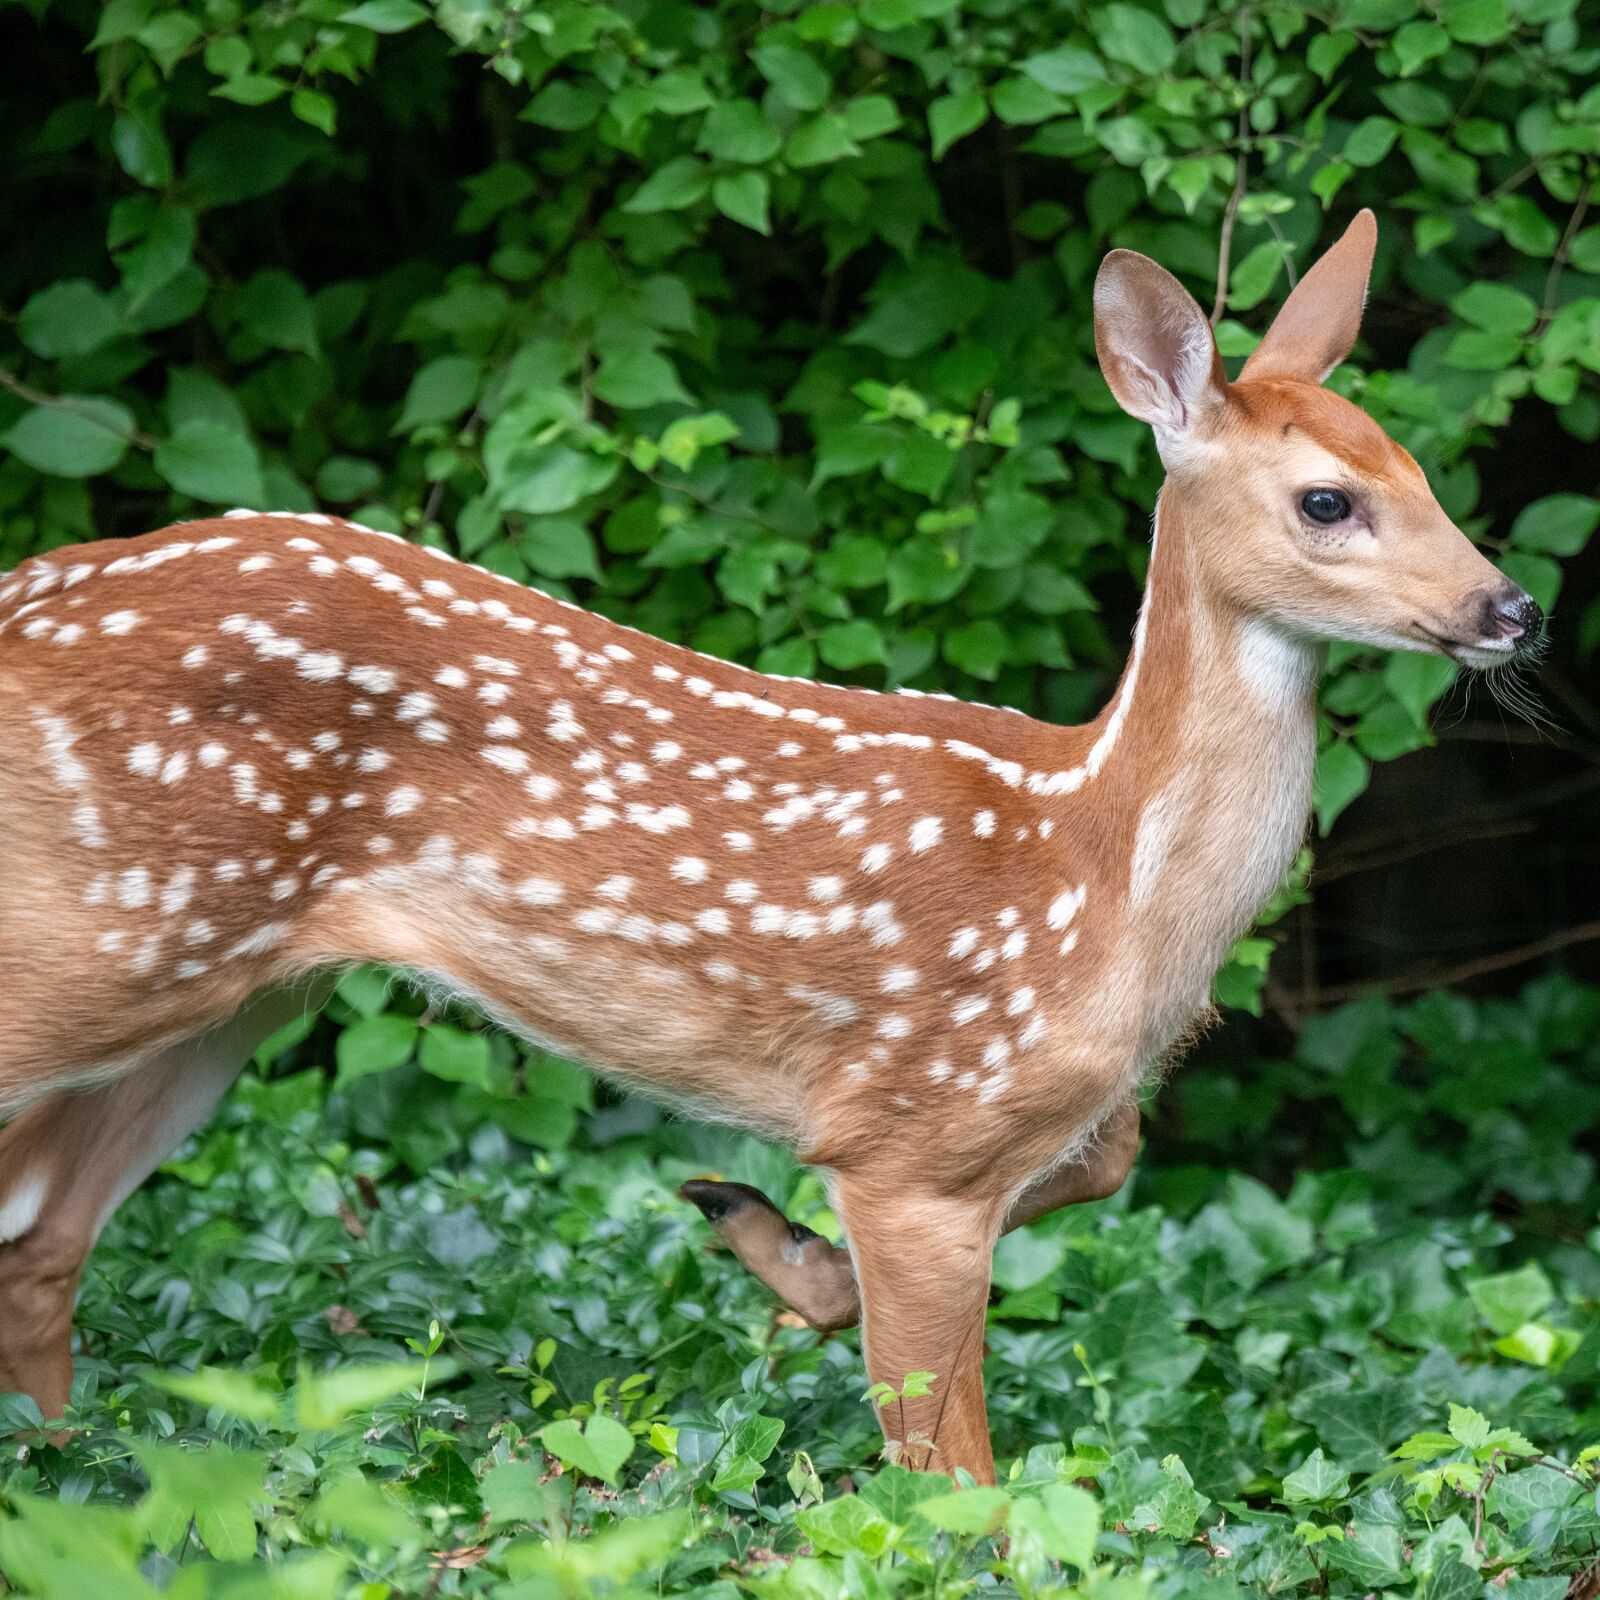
{"type": "Point", "coordinates": [1302, 512]}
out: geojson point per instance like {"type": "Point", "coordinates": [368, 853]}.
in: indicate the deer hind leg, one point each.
{"type": "Point", "coordinates": [67, 1163]}
{"type": "Point", "coordinates": [810, 1276]}
{"type": "Point", "coordinates": [817, 1280]}
{"type": "Point", "coordinates": [922, 1262]}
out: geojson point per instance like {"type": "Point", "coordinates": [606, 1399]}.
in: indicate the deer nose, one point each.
{"type": "Point", "coordinates": [1514, 615]}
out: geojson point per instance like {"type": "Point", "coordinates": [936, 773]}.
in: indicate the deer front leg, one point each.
{"type": "Point", "coordinates": [922, 1262]}
{"type": "Point", "coordinates": [817, 1280]}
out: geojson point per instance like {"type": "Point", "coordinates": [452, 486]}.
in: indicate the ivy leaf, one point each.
{"type": "Point", "coordinates": [1316, 1481]}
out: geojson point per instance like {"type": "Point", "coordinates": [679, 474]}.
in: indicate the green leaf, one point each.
{"type": "Point", "coordinates": [823, 139]}
{"type": "Point", "coordinates": [1342, 774]}
{"type": "Point", "coordinates": [1370, 141]}
{"type": "Point", "coordinates": [1476, 21]}
{"type": "Point", "coordinates": [977, 647]}
{"type": "Point", "coordinates": [1417, 681]}
{"type": "Point", "coordinates": [735, 130]}
{"type": "Point", "coordinates": [454, 1054]}
{"type": "Point", "coordinates": [374, 1044]}
{"type": "Point", "coordinates": [316, 109]}
{"type": "Point", "coordinates": [1509, 1299]}
{"type": "Point", "coordinates": [598, 1449]}
{"type": "Point", "coordinates": [385, 16]}
{"type": "Point", "coordinates": [953, 117]}
{"type": "Point", "coordinates": [559, 547]}
{"type": "Point", "coordinates": [848, 1524]}
{"type": "Point", "coordinates": [238, 1394]}
{"type": "Point", "coordinates": [1316, 1481]}
{"type": "Point", "coordinates": [212, 461]}
{"type": "Point", "coordinates": [849, 645]}
{"type": "Point", "coordinates": [512, 1492]}
{"type": "Point", "coordinates": [440, 392]}
{"type": "Point", "coordinates": [277, 310]}
{"type": "Point", "coordinates": [1417, 43]}
{"type": "Point", "coordinates": [250, 89]}
{"type": "Point", "coordinates": [1140, 38]}
{"type": "Point", "coordinates": [1066, 70]}
{"type": "Point", "coordinates": [671, 187]}
{"type": "Point", "coordinates": [743, 197]}
{"type": "Point", "coordinates": [76, 437]}
{"type": "Point", "coordinates": [633, 379]}
{"type": "Point", "coordinates": [553, 477]}
{"type": "Point", "coordinates": [1557, 525]}
{"type": "Point", "coordinates": [1496, 308]}
{"type": "Point", "coordinates": [971, 1513]}
{"type": "Point", "coordinates": [67, 319]}
{"type": "Point", "coordinates": [325, 1399]}
{"type": "Point", "coordinates": [795, 73]}
{"type": "Point", "coordinates": [1473, 351]}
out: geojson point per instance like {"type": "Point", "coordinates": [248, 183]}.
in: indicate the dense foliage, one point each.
{"type": "Point", "coordinates": [766, 328]}
{"type": "Point", "coordinates": [1387, 1381]}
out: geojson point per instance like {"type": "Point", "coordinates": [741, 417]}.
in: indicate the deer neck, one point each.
{"type": "Point", "coordinates": [1205, 792]}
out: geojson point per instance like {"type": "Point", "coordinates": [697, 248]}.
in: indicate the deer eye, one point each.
{"type": "Point", "coordinates": [1326, 506]}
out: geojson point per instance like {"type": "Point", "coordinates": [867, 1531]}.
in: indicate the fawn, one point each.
{"type": "Point", "coordinates": [932, 946]}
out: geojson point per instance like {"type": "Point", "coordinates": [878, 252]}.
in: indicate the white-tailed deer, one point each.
{"type": "Point", "coordinates": [930, 945]}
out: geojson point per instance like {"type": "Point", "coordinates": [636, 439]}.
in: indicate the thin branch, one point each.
{"type": "Point", "coordinates": [1240, 171]}
{"type": "Point", "coordinates": [1558, 261]}
{"type": "Point", "coordinates": [36, 397]}
{"type": "Point", "coordinates": [1443, 977]}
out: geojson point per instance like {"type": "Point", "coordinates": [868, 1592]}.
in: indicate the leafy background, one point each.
{"type": "Point", "coordinates": [766, 329]}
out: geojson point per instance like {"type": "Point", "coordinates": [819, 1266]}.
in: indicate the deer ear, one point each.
{"type": "Point", "coordinates": [1155, 346]}
{"type": "Point", "coordinates": [1317, 327]}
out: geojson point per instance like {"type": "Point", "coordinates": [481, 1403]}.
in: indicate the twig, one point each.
{"type": "Point", "coordinates": [1442, 977]}
{"type": "Point", "coordinates": [1558, 261]}
{"type": "Point", "coordinates": [1240, 167]}
{"type": "Point", "coordinates": [36, 397]}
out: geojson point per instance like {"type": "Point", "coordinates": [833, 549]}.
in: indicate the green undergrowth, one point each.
{"type": "Point", "coordinates": [372, 1335]}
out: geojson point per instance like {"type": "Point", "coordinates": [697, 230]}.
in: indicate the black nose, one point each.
{"type": "Point", "coordinates": [1514, 615]}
